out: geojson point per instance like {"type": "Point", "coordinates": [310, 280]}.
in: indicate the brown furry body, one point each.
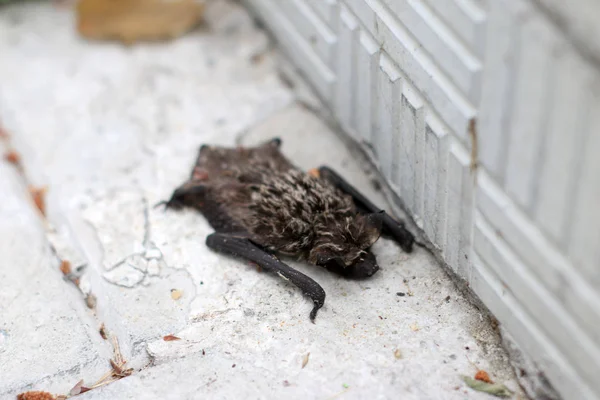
{"type": "Point", "coordinates": [258, 193]}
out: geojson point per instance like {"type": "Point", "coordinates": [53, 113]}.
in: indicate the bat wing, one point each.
{"type": "Point", "coordinates": [221, 180]}
{"type": "Point", "coordinates": [221, 164]}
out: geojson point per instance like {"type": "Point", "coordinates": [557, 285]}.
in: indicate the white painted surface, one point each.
{"type": "Point", "coordinates": [524, 228]}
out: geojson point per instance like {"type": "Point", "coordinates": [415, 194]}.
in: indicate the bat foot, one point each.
{"type": "Point", "coordinates": [313, 313]}
{"type": "Point", "coordinates": [242, 247]}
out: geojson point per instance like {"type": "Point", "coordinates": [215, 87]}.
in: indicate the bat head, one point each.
{"type": "Point", "coordinates": [342, 244]}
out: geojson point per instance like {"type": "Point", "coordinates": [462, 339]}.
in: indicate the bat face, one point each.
{"type": "Point", "coordinates": [344, 243]}
{"type": "Point", "coordinates": [259, 204]}
{"type": "Point", "coordinates": [362, 268]}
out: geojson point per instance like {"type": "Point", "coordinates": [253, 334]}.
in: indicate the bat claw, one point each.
{"type": "Point", "coordinates": [316, 307]}
{"type": "Point", "coordinates": [161, 203]}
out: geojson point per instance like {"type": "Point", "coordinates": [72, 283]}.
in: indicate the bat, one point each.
{"type": "Point", "coordinates": [260, 205]}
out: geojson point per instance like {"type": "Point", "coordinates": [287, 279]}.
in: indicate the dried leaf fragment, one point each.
{"type": "Point", "coordinates": [35, 395]}
{"type": "Point", "coordinates": [176, 294]}
{"type": "Point", "coordinates": [483, 376]}
{"type": "Point", "coordinates": [118, 370]}
{"type": "Point", "coordinates": [305, 359]}
{"type": "Point", "coordinates": [38, 195]}
{"type": "Point", "coordinates": [495, 389]}
{"type": "Point", "coordinates": [78, 389]}
{"type": "Point", "coordinates": [170, 338]}
{"type": "Point", "coordinates": [134, 20]}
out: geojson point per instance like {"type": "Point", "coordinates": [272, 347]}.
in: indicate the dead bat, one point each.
{"type": "Point", "coordinates": [259, 204]}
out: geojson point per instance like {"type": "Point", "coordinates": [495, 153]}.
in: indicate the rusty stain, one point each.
{"type": "Point", "coordinates": [13, 158]}
{"type": "Point", "coordinates": [473, 136]}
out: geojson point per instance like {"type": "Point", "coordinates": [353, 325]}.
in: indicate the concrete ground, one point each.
{"type": "Point", "coordinates": [110, 131]}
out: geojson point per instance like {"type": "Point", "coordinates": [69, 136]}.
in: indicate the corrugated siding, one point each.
{"type": "Point", "coordinates": [407, 78]}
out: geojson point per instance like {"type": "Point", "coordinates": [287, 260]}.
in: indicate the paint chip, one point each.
{"type": "Point", "coordinates": [305, 359]}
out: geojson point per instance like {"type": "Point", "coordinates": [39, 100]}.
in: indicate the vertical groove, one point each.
{"type": "Point", "coordinates": [353, 77]}
{"type": "Point", "coordinates": [410, 107]}
{"type": "Point", "coordinates": [549, 100]}
{"type": "Point", "coordinates": [584, 127]}
{"type": "Point", "coordinates": [419, 150]}
{"type": "Point", "coordinates": [367, 55]}
{"type": "Point", "coordinates": [509, 100]}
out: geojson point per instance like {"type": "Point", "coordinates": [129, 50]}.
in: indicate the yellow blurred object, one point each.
{"type": "Point", "coordinates": [130, 21]}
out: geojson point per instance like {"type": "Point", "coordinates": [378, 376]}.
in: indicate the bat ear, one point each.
{"type": "Point", "coordinates": [275, 142]}
{"type": "Point", "coordinates": [371, 229]}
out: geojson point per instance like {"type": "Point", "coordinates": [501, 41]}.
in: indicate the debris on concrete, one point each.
{"type": "Point", "coordinates": [102, 332]}
{"type": "Point", "coordinates": [36, 395]}
{"type": "Point", "coordinates": [78, 389]}
{"type": "Point", "coordinates": [305, 359]}
{"type": "Point", "coordinates": [495, 389]}
{"type": "Point", "coordinates": [13, 157]}
{"type": "Point", "coordinates": [90, 301]}
{"type": "Point", "coordinates": [65, 267]}
{"type": "Point", "coordinates": [398, 354]}
{"type": "Point", "coordinates": [483, 376]}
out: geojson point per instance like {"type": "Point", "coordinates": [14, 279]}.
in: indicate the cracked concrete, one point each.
{"type": "Point", "coordinates": [111, 132]}
{"type": "Point", "coordinates": [45, 335]}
